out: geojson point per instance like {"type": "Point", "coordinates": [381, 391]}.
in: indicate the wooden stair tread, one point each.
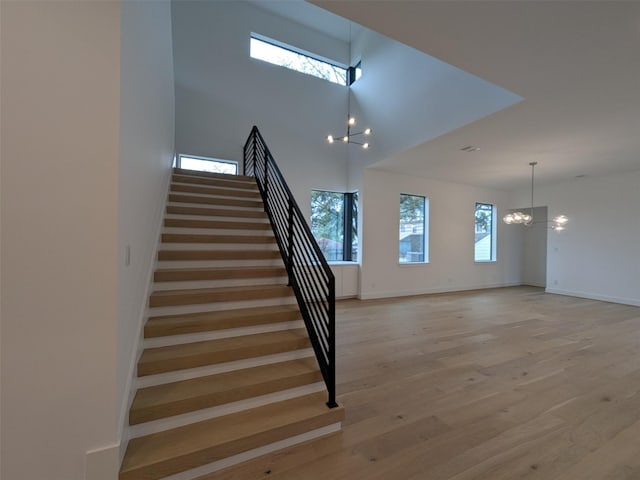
{"type": "Point", "coordinates": [217, 224]}
{"type": "Point", "coordinates": [222, 176]}
{"type": "Point", "coordinates": [161, 298]}
{"type": "Point", "coordinates": [180, 449]}
{"type": "Point", "coordinates": [208, 352]}
{"type": "Point", "coordinates": [219, 320]}
{"type": "Point", "coordinates": [213, 200]}
{"type": "Point", "coordinates": [170, 399]}
{"type": "Point", "coordinates": [211, 190]}
{"type": "Point", "coordinates": [218, 254]}
{"type": "Point", "coordinates": [215, 212]}
{"type": "Point", "coordinates": [217, 273]}
{"type": "Point", "coordinates": [216, 238]}
{"type": "Point", "coordinates": [214, 181]}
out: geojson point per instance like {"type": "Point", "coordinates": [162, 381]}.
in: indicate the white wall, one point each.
{"type": "Point", "coordinates": [146, 155]}
{"type": "Point", "coordinates": [59, 172]}
{"type": "Point", "coordinates": [534, 254]}
{"type": "Point", "coordinates": [597, 255]}
{"type": "Point", "coordinates": [451, 236]}
{"type": "Point", "coordinates": [221, 93]}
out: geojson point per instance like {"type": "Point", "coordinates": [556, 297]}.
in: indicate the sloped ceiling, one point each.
{"type": "Point", "coordinates": [575, 63]}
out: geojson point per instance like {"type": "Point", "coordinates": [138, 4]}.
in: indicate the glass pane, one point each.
{"type": "Point", "coordinates": [204, 165]}
{"type": "Point", "coordinates": [354, 228]}
{"type": "Point", "coordinates": [483, 244]}
{"type": "Point", "coordinates": [412, 216]}
{"type": "Point", "coordinates": [327, 222]}
{"type": "Point", "coordinates": [283, 57]}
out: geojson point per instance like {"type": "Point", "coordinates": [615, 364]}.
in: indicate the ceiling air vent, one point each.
{"type": "Point", "coordinates": [470, 148]}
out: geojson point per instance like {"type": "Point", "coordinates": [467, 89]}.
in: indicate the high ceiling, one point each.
{"type": "Point", "coordinates": [577, 65]}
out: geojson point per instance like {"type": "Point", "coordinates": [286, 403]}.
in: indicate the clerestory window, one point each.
{"type": "Point", "coordinates": [283, 55]}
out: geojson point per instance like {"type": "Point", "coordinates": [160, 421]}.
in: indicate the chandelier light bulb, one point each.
{"type": "Point", "coordinates": [345, 139]}
{"type": "Point", "coordinates": [561, 219]}
{"type": "Point", "coordinates": [367, 131]}
{"type": "Point", "coordinates": [330, 139]}
{"type": "Point", "coordinates": [352, 121]}
{"type": "Point", "coordinates": [365, 145]}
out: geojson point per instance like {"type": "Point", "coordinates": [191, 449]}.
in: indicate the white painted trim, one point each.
{"type": "Point", "coordinates": [102, 463]}
{"type": "Point", "coordinates": [459, 288]}
{"type": "Point", "coordinates": [593, 296]}
{"type": "Point", "coordinates": [256, 452]}
{"type": "Point", "coordinates": [218, 334]}
{"type": "Point", "coordinates": [130, 387]}
{"type": "Point", "coordinates": [187, 374]}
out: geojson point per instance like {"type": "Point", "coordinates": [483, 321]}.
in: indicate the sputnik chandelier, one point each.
{"type": "Point", "coordinates": [523, 218]}
{"type": "Point", "coordinates": [357, 138]}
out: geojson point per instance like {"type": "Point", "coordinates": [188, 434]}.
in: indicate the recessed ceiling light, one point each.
{"type": "Point", "coordinates": [470, 148]}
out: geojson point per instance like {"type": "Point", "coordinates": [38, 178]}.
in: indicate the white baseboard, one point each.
{"type": "Point", "coordinates": [102, 463]}
{"type": "Point", "coordinates": [595, 296]}
{"type": "Point", "coordinates": [130, 387]}
{"type": "Point", "coordinates": [458, 288]}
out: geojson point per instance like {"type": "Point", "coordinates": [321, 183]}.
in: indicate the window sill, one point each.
{"type": "Point", "coordinates": [342, 262]}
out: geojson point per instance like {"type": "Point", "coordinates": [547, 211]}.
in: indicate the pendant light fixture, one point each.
{"type": "Point", "coordinates": [358, 137]}
{"type": "Point", "coordinates": [526, 218]}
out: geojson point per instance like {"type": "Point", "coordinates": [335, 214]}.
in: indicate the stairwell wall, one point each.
{"type": "Point", "coordinates": [146, 155]}
{"type": "Point", "coordinates": [221, 93]}
{"type": "Point", "coordinates": [59, 186]}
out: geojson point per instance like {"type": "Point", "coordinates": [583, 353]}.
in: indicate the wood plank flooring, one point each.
{"type": "Point", "coordinates": [489, 385]}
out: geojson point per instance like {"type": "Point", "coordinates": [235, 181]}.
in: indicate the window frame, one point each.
{"type": "Point", "coordinates": [425, 230]}
{"type": "Point", "coordinates": [349, 221]}
{"type": "Point", "coordinates": [493, 253]}
{"type": "Point", "coordinates": [344, 77]}
{"type": "Point", "coordinates": [208, 159]}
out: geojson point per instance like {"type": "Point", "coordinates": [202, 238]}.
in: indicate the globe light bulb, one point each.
{"type": "Point", "coordinates": [352, 121]}
{"type": "Point", "coordinates": [365, 146]}
{"type": "Point", "coordinates": [367, 131]}
{"type": "Point", "coordinates": [330, 139]}
{"type": "Point", "coordinates": [345, 139]}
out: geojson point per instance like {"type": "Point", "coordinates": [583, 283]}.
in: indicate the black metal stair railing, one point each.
{"type": "Point", "coordinates": [309, 274]}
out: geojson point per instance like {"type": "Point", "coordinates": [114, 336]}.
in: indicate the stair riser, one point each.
{"type": "Point", "coordinates": [209, 471]}
{"type": "Point", "coordinates": [260, 232]}
{"type": "Point", "coordinates": [193, 254]}
{"type": "Point", "coordinates": [207, 455]}
{"type": "Point", "coordinates": [219, 206]}
{"type": "Point", "coordinates": [214, 191]}
{"type": "Point", "coordinates": [230, 401]}
{"type": "Point", "coordinates": [179, 221]}
{"type": "Point", "coordinates": [158, 327]}
{"type": "Point", "coordinates": [273, 262]}
{"type": "Point", "coordinates": [222, 176]}
{"type": "Point", "coordinates": [214, 182]}
{"type": "Point", "coordinates": [218, 334]}
{"type": "Point", "coordinates": [221, 251]}
{"type": "Point", "coordinates": [200, 211]}
{"type": "Point", "coordinates": [189, 373]}
{"type": "Point", "coordinates": [191, 298]}
{"type": "Point", "coordinates": [222, 305]}
{"type": "Point", "coordinates": [180, 275]}
{"type": "Point", "coordinates": [213, 357]}
{"type": "Point", "coordinates": [217, 238]}
{"type": "Point", "coordinates": [214, 200]}
{"type": "Point", "coordinates": [235, 282]}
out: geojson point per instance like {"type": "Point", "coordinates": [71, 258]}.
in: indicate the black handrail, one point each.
{"type": "Point", "coordinates": [309, 274]}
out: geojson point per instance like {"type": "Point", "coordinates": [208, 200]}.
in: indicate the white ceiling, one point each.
{"type": "Point", "coordinates": [577, 65]}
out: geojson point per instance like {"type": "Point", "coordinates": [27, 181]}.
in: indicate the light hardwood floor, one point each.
{"type": "Point", "coordinates": [497, 384]}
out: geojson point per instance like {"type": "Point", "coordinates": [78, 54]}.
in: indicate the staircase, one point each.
{"type": "Point", "coordinates": [227, 372]}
